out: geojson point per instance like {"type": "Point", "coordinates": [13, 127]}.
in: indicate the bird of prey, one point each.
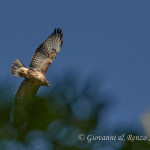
{"type": "Point", "coordinates": [35, 75]}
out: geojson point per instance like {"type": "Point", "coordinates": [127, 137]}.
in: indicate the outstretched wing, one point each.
{"type": "Point", "coordinates": [47, 51]}
{"type": "Point", "coordinates": [25, 93]}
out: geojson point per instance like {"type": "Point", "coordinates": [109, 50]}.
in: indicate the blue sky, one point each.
{"type": "Point", "coordinates": [109, 39]}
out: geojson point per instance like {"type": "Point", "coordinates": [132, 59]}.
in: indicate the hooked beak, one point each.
{"type": "Point", "coordinates": [47, 83]}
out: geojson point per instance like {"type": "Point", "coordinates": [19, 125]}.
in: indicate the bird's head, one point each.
{"type": "Point", "coordinates": [46, 83]}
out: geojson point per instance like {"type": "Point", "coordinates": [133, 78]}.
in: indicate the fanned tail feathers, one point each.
{"type": "Point", "coordinates": [16, 65]}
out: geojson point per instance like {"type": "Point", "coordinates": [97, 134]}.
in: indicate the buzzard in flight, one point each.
{"type": "Point", "coordinates": [35, 75]}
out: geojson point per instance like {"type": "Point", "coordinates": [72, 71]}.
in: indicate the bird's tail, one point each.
{"type": "Point", "coordinates": [16, 65]}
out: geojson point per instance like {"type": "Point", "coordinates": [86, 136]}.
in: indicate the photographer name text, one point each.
{"type": "Point", "coordinates": [123, 137]}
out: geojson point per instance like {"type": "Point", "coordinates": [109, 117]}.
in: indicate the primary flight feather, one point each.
{"type": "Point", "coordinates": [35, 75]}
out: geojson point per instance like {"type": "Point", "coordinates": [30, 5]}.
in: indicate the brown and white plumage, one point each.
{"type": "Point", "coordinates": [35, 75]}
{"type": "Point", "coordinates": [46, 52]}
{"type": "Point", "coordinates": [26, 91]}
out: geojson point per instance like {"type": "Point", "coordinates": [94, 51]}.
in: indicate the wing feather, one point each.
{"type": "Point", "coordinates": [47, 51]}
{"type": "Point", "coordinates": [26, 91]}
